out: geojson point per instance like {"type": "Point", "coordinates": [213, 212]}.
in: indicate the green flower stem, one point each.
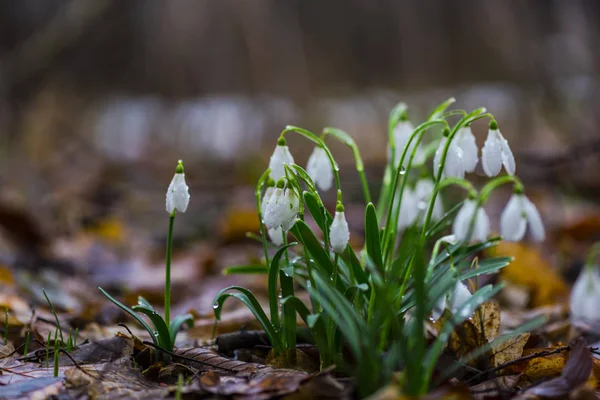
{"type": "Point", "coordinates": [496, 183]}
{"type": "Point", "coordinates": [168, 270]}
{"type": "Point", "coordinates": [263, 234]}
{"type": "Point", "coordinates": [394, 212]}
{"type": "Point", "coordinates": [331, 325]}
{"type": "Point", "coordinates": [288, 311]}
{"type": "Point", "coordinates": [360, 167]}
{"type": "Point", "coordinates": [312, 137]}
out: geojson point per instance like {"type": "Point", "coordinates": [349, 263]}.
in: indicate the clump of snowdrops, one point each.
{"type": "Point", "coordinates": [418, 251]}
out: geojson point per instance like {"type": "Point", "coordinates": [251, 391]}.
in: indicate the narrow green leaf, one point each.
{"type": "Point", "coordinates": [145, 303]}
{"type": "Point", "coordinates": [318, 212]}
{"type": "Point", "coordinates": [272, 284]}
{"type": "Point", "coordinates": [302, 174]}
{"type": "Point", "coordinates": [246, 297]}
{"type": "Point", "coordinates": [372, 236]}
{"type": "Point", "coordinates": [162, 330]}
{"type": "Point", "coordinates": [132, 313]}
{"type": "Point", "coordinates": [178, 322]}
{"type": "Point", "coordinates": [305, 236]}
{"type": "Point", "coordinates": [487, 266]}
{"type": "Point", "coordinates": [395, 115]}
{"type": "Point", "coordinates": [439, 110]}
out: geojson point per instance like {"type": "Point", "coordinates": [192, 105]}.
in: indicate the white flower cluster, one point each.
{"type": "Point", "coordinates": [415, 203]}
{"type": "Point", "coordinates": [453, 301]}
{"type": "Point", "coordinates": [280, 205]}
{"type": "Point", "coordinates": [463, 157]}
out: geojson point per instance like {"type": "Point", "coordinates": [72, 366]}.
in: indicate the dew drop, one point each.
{"type": "Point", "coordinates": [215, 306]}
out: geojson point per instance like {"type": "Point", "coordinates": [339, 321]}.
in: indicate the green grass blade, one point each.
{"type": "Point", "coordinates": [487, 266]}
{"type": "Point", "coordinates": [246, 270]}
{"type": "Point", "coordinates": [144, 303]}
{"type": "Point", "coordinates": [272, 284]}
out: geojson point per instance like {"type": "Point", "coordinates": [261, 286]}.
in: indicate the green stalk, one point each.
{"type": "Point", "coordinates": [168, 270]}
{"type": "Point", "coordinates": [288, 311]}
{"type": "Point", "coordinates": [56, 353]}
{"type": "Point", "coordinates": [27, 339]}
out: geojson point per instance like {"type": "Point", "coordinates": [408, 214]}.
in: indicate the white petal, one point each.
{"type": "Point", "coordinates": [454, 162]}
{"type": "Point", "coordinates": [469, 147]}
{"type": "Point", "coordinates": [178, 196]}
{"type": "Point", "coordinates": [265, 199]}
{"type": "Point", "coordinates": [402, 133]}
{"type": "Point", "coordinates": [512, 221]}
{"type": "Point", "coordinates": [281, 155]}
{"type": "Point", "coordinates": [339, 234]}
{"type": "Point", "coordinates": [585, 297]}
{"type": "Point", "coordinates": [508, 160]}
{"type": "Point", "coordinates": [289, 215]}
{"type": "Point", "coordinates": [460, 228]}
{"type": "Point", "coordinates": [481, 229]}
{"type": "Point", "coordinates": [276, 236]}
{"type": "Point", "coordinates": [439, 308]}
{"type": "Point", "coordinates": [536, 226]}
{"type": "Point", "coordinates": [408, 209]}
{"type": "Point", "coordinates": [423, 192]}
{"type": "Point", "coordinates": [491, 154]}
{"type": "Point", "coordinates": [459, 296]}
{"type": "Point", "coordinates": [275, 211]}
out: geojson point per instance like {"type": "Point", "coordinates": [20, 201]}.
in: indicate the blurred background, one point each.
{"type": "Point", "coordinates": [100, 98]}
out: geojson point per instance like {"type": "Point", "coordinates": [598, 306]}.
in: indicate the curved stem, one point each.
{"type": "Point", "coordinates": [496, 183]}
{"type": "Point", "coordinates": [590, 260]}
{"type": "Point", "coordinates": [168, 270]}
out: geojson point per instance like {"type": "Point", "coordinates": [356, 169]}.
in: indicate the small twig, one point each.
{"type": "Point", "coordinates": [519, 360]}
{"type": "Point", "coordinates": [186, 358]}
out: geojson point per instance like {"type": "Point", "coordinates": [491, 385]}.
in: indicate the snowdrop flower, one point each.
{"type": "Point", "coordinates": [276, 236]}
{"type": "Point", "coordinates": [319, 169]}
{"type": "Point", "coordinates": [453, 301]}
{"type": "Point", "coordinates": [520, 211]}
{"type": "Point", "coordinates": [178, 195]}
{"type": "Point", "coordinates": [282, 208]}
{"type": "Point", "coordinates": [265, 198]}
{"type": "Point", "coordinates": [585, 297]}
{"type": "Point", "coordinates": [454, 164]}
{"type": "Point", "coordinates": [280, 156]}
{"type": "Point", "coordinates": [423, 192]}
{"type": "Point", "coordinates": [339, 234]}
{"type": "Point", "coordinates": [466, 141]}
{"type": "Point", "coordinates": [462, 223]}
{"type": "Point", "coordinates": [408, 209]}
{"type": "Point", "coordinates": [496, 153]}
{"type": "Point", "coordinates": [402, 133]}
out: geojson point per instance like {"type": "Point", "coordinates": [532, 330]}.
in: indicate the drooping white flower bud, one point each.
{"type": "Point", "coordinates": [453, 301]}
{"type": "Point", "coordinates": [282, 208]}
{"type": "Point", "coordinates": [496, 152]}
{"type": "Point", "coordinates": [281, 155]}
{"type": "Point", "coordinates": [585, 297]}
{"type": "Point", "coordinates": [520, 211]}
{"type": "Point", "coordinates": [423, 192]}
{"type": "Point", "coordinates": [178, 196]}
{"type": "Point", "coordinates": [319, 169]}
{"type": "Point", "coordinates": [453, 166]}
{"type": "Point", "coordinates": [408, 209]}
{"type": "Point", "coordinates": [466, 141]}
{"type": "Point", "coordinates": [464, 217]}
{"type": "Point", "coordinates": [339, 234]}
{"type": "Point", "coordinates": [402, 133]}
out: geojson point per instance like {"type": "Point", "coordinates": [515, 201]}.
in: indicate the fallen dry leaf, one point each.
{"type": "Point", "coordinates": [529, 269]}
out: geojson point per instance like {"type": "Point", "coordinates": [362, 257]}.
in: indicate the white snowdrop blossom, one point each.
{"type": "Point", "coordinates": [265, 199]}
{"type": "Point", "coordinates": [462, 222]}
{"type": "Point", "coordinates": [453, 166]}
{"type": "Point", "coordinates": [585, 297]}
{"type": "Point", "coordinates": [281, 155]}
{"type": "Point", "coordinates": [408, 209]}
{"type": "Point", "coordinates": [423, 192]}
{"type": "Point", "coordinates": [319, 169]}
{"type": "Point", "coordinates": [339, 234]}
{"type": "Point", "coordinates": [467, 143]}
{"type": "Point", "coordinates": [402, 133]}
{"type": "Point", "coordinates": [453, 301]}
{"type": "Point", "coordinates": [276, 236]}
{"type": "Point", "coordinates": [496, 152]}
{"type": "Point", "coordinates": [281, 209]}
{"type": "Point", "coordinates": [178, 195]}
{"type": "Point", "coordinates": [519, 212]}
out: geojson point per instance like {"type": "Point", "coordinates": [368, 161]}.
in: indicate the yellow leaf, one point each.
{"type": "Point", "coordinates": [530, 270]}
